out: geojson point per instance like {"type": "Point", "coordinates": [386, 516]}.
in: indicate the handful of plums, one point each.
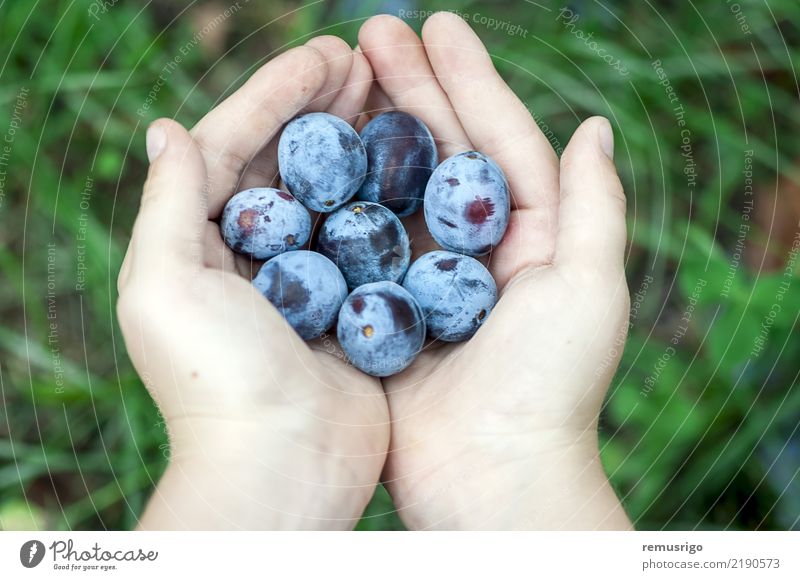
{"type": "Point", "coordinates": [361, 277]}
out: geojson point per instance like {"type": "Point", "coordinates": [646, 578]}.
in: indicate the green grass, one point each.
{"type": "Point", "coordinates": [713, 445]}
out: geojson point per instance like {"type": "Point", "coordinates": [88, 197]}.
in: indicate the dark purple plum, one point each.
{"type": "Point", "coordinates": [467, 204]}
{"type": "Point", "coordinates": [367, 242]}
{"type": "Point", "coordinates": [401, 155]}
{"type": "Point", "coordinates": [264, 222]}
{"type": "Point", "coordinates": [322, 160]}
{"type": "Point", "coordinates": [381, 328]}
{"type": "Point", "coordinates": [456, 294]}
{"type": "Point", "coordinates": [306, 288]}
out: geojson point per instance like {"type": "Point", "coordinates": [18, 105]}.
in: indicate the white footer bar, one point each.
{"type": "Point", "coordinates": [406, 556]}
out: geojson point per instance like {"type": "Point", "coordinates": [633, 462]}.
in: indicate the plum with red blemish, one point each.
{"type": "Point", "coordinates": [367, 242]}
{"type": "Point", "coordinates": [321, 160]}
{"type": "Point", "coordinates": [381, 328]}
{"type": "Point", "coordinates": [456, 294]}
{"type": "Point", "coordinates": [467, 204]}
{"type": "Point", "coordinates": [306, 288]}
{"type": "Point", "coordinates": [263, 222]}
{"type": "Point", "coordinates": [401, 155]}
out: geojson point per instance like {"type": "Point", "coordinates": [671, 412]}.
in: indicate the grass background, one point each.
{"type": "Point", "coordinates": [700, 429]}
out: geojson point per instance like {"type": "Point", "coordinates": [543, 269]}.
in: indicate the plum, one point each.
{"type": "Point", "coordinates": [401, 155]}
{"type": "Point", "coordinates": [306, 288]}
{"type": "Point", "coordinates": [367, 242]}
{"type": "Point", "coordinates": [321, 160]}
{"type": "Point", "coordinates": [456, 294]}
{"type": "Point", "coordinates": [264, 222]}
{"type": "Point", "coordinates": [467, 204]}
{"type": "Point", "coordinates": [381, 328]}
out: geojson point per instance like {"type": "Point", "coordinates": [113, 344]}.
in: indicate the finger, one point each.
{"type": "Point", "coordinates": [401, 67]}
{"type": "Point", "coordinates": [217, 255]}
{"type": "Point", "coordinates": [591, 233]}
{"type": "Point", "coordinates": [377, 101]}
{"type": "Point", "coordinates": [500, 126]}
{"type": "Point", "coordinates": [262, 171]}
{"type": "Point", "coordinates": [233, 133]}
{"type": "Point", "coordinates": [496, 121]}
{"type": "Point", "coordinates": [169, 230]}
{"type": "Point", "coordinates": [349, 102]}
{"type": "Point", "coordinates": [338, 57]}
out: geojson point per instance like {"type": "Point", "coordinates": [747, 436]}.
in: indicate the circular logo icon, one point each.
{"type": "Point", "coordinates": [31, 553]}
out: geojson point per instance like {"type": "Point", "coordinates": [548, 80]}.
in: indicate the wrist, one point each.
{"type": "Point", "coordinates": [552, 480]}
{"type": "Point", "coordinates": [561, 487]}
{"type": "Point", "coordinates": [227, 474]}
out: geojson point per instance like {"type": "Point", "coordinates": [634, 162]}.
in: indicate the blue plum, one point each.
{"type": "Point", "coordinates": [401, 155]}
{"type": "Point", "coordinates": [381, 328]}
{"type": "Point", "coordinates": [306, 288]}
{"type": "Point", "coordinates": [321, 160]}
{"type": "Point", "coordinates": [467, 204]}
{"type": "Point", "coordinates": [456, 294]}
{"type": "Point", "coordinates": [367, 242]}
{"type": "Point", "coordinates": [264, 222]}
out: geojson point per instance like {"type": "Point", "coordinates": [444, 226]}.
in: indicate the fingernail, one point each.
{"type": "Point", "coordinates": [156, 141]}
{"type": "Point", "coordinates": [606, 136]}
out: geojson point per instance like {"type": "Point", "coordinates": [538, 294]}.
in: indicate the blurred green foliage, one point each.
{"type": "Point", "coordinates": [700, 427]}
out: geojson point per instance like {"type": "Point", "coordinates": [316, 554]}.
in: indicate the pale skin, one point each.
{"type": "Point", "coordinates": [269, 432]}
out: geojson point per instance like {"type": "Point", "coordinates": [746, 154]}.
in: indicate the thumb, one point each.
{"type": "Point", "coordinates": [592, 234]}
{"type": "Point", "coordinates": [167, 235]}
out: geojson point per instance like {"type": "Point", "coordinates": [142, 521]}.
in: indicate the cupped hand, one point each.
{"type": "Point", "coordinates": [500, 431]}
{"type": "Point", "coordinates": [266, 431]}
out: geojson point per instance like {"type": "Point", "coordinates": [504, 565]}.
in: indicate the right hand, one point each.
{"type": "Point", "coordinates": [501, 431]}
